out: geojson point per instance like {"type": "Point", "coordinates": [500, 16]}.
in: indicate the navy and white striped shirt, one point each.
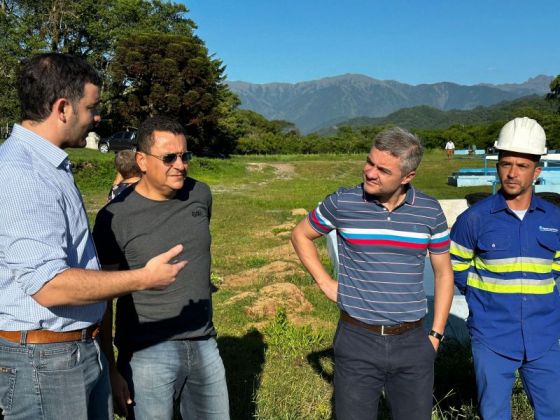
{"type": "Point", "coordinates": [381, 253]}
{"type": "Point", "coordinates": [43, 231]}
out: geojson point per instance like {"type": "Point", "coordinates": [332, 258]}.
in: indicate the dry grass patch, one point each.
{"type": "Point", "coordinates": [274, 270]}
{"type": "Point", "coordinates": [281, 170]}
{"type": "Point", "coordinates": [239, 297]}
{"type": "Point", "coordinates": [279, 295]}
{"type": "Point", "coordinates": [299, 212]}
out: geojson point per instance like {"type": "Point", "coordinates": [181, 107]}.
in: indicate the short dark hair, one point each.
{"type": "Point", "coordinates": [125, 163]}
{"type": "Point", "coordinates": [44, 78]}
{"type": "Point", "coordinates": [156, 123]}
{"type": "Point", "coordinates": [401, 144]}
{"type": "Point", "coordinates": [534, 158]}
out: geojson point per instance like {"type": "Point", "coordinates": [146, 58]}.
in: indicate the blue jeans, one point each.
{"type": "Point", "coordinates": [365, 363]}
{"type": "Point", "coordinates": [54, 381]}
{"type": "Point", "coordinates": [495, 376]}
{"type": "Point", "coordinates": [187, 373]}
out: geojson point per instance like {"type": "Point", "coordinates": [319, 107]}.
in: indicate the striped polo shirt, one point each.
{"type": "Point", "coordinates": [382, 253]}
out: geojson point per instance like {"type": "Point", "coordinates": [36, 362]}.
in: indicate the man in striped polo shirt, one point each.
{"type": "Point", "coordinates": [506, 258]}
{"type": "Point", "coordinates": [385, 228]}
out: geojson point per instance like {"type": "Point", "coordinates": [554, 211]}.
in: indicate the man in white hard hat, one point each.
{"type": "Point", "coordinates": [506, 257]}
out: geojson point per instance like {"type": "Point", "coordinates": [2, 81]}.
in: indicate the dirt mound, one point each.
{"type": "Point", "coordinates": [287, 226]}
{"type": "Point", "coordinates": [299, 212]}
{"type": "Point", "coordinates": [282, 231]}
{"type": "Point", "coordinates": [284, 170]}
{"type": "Point", "coordinates": [256, 167]}
{"type": "Point", "coordinates": [276, 296]}
{"type": "Point", "coordinates": [240, 296]}
{"type": "Point", "coordinates": [274, 270]}
{"type": "Point", "coordinates": [281, 170]}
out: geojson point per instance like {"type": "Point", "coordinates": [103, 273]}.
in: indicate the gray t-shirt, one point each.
{"type": "Point", "coordinates": [131, 230]}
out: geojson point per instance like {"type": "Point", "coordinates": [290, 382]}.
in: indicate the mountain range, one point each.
{"type": "Point", "coordinates": [317, 104]}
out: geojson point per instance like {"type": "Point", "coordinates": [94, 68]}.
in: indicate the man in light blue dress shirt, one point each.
{"type": "Point", "coordinates": [52, 296]}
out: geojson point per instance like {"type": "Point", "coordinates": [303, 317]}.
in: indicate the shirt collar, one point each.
{"type": "Point", "coordinates": [410, 194]}
{"type": "Point", "coordinates": [42, 147]}
{"type": "Point", "coordinates": [409, 198]}
{"type": "Point", "coordinates": [500, 204]}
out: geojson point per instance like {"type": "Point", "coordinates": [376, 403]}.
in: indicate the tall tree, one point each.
{"type": "Point", "coordinates": [9, 58]}
{"type": "Point", "coordinates": [554, 93]}
{"type": "Point", "coordinates": [93, 29]}
{"type": "Point", "coordinates": [90, 28]}
{"type": "Point", "coordinates": [157, 73]}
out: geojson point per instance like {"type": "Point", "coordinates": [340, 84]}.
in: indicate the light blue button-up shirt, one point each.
{"type": "Point", "coordinates": [43, 232]}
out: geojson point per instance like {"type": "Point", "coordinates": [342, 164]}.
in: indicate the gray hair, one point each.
{"type": "Point", "coordinates": [401, 144]}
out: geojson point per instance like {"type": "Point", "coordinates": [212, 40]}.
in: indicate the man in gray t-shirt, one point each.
{"type": "Point", "coordinates": [166, 339]}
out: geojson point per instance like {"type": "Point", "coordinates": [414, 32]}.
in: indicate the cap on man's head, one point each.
{"type": "Point", "coordinates": [522, 135]}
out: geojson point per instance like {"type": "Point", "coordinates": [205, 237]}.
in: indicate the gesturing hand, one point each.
{"type": "Point", "coordinates": [161, 270]}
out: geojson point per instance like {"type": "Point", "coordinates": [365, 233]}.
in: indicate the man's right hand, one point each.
{"type": "Point", "coordinates": [303, 236]}
{"type": "Point", "coordinates": [161, 271]}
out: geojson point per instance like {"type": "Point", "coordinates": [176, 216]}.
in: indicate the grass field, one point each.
{"type": "Point", "coordinates": [275, 327]}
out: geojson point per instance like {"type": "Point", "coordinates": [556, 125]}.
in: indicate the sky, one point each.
{"type": "Point", "coordinates": [414, 42]}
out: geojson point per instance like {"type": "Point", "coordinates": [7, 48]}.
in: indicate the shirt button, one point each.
{"type": "Point", "coordinates": [524, 298]}
{"type": "Point", "coordinates": [388, 218]}
{"type": "Point", "coordinates": [493, 245]}
{"type": "Point", "coordinates": [524, 274]}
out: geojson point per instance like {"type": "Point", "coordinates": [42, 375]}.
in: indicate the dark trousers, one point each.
{"type": "Point", "coordinates": [366, 363]}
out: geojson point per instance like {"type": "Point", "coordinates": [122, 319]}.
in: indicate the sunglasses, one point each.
{"type": "Point", "coordinates": [170, 158]}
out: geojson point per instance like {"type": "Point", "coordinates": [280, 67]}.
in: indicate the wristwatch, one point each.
{"type": "Point", "coordinates": [436, 335]}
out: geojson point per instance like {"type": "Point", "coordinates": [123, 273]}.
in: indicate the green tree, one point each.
{"type": "Point", "coordinates": [157, 73]}
{"type": "Point", "coordinates": [89, 28]}
{"type": "Point", "coordinates": [93, 29]}
{"type": "Point", "coordinates": [9, 58]}
{"type": "Point", "coordinates": [554, 94]}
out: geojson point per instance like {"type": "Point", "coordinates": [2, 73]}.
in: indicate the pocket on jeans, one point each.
{"type": "Point", "coordinates": [7, 387]}
{"type": "Point", "coordinates": [59, 356]}
{"type": "Point", "coordinates": [337, 333]}
{"type": "Point", "coordinates": [433, 351]}
{"type": "Point", "coordinates": [63, 393]}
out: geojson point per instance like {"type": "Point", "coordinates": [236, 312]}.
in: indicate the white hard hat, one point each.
{"type": "Point", "coordinates": [522, 135]}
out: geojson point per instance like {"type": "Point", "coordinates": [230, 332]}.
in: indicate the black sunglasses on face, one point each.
{"type": "Point", "coordinates": [170, 158]}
